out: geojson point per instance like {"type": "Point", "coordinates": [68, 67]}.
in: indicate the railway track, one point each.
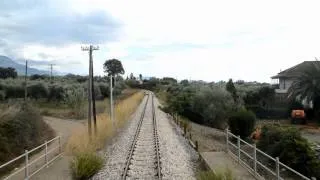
{"type": "Point", "coordinates": [143, 159]}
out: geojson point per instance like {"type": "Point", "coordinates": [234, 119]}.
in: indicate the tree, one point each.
{"type": "Point", "coordinates": [8, 72]}
{"type": "Point", "coordinates": [140, 77]}
{"type": "Point", "coordinates": [113, 67]}
{"type": "Point", "coordinates": [232, 90]}
{"type": "Point", "coordinates": [306, 85]}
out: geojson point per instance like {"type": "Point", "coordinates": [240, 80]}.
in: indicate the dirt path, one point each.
{"type": "Point", "coordinates": [59, 169]}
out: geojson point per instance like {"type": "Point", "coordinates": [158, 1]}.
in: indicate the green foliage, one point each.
{"type": "Point", "coordinates": [104, 89]}
{"type": "Point", "coordinates": [56, 92]}
{"type": "Point", "coordinates": [85, 165]}
{"type": "Point", "coordinates": [14, 91]}
{"type": "Point", "coordinates": [75, 99]}
{"type": "Point", "coordinates": [113, 67]}
{"type": "Point", "coordinates": [232, 89]}
{"type": "Point", "coordinates": [306, 85]}
{"type": "Point", "coordinates": [38, 90]}
{"type": "Point", "coordinates": [8, 73]}
{"type": "Point", "coordinates": [214, 105]}
{"type": "Point", "coordinates": [242, 123]}
{"type": "Point", "coordinates": [2, 95]}
{"type": "Point", "coordinates": [291, 148]}
{"type": "Point", "coordinates": [219, 175]}
{"type": "Point", "coordinates": [21, 127]}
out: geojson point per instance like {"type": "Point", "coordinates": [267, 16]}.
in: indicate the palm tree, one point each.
{"type": "Point", "coordinates": [306, 85]}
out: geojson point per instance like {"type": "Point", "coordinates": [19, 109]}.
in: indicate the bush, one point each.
{"type": "Point", "coordinates": [14, 91]}
{"type": "Point", "coordinates": [85, 165]}
{"type": "Point", "coordinates": [75, 99]}
{"type": "Point", "coordinates": [214, 105]}
{"type": "Point", "coordinates": [56, 92]}
{"type": "Point", "coordinates": [104, 89]}
{"type": "Point", "coordinates": [21, 127]}
{"type": "Point", "coordinates": [2, 95]}
{"type": "Point", "coordinates": [38, 90]}
{"type": "Point", "coordinates": [242, 123]}
{"type": "Point", "coordinates": [291, 148]}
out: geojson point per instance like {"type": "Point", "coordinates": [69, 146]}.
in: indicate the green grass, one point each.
{"type": "Point", "coordinates": [85, 165]}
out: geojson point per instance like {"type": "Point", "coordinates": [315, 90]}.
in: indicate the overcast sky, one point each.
{"type": "Point", "coordinates": [207, 40]}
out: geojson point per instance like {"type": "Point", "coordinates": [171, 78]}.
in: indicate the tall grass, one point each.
{"type": "Point", "coordinates": [80, 142]}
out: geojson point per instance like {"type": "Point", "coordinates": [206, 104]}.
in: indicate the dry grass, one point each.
{"type": "Point", "coordinates": [80, 142]}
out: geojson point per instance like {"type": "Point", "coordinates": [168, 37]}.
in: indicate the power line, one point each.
{"type": "Point", "coordinates": [90, 92]}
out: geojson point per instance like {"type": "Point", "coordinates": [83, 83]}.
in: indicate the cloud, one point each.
{"type": "Point", "coordinates": [209, 40]}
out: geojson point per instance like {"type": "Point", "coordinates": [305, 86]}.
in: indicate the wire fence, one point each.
{"type": "Point", "coordinates": [259, 164]}
{"type": "Point", "coordinates": [51, 151]}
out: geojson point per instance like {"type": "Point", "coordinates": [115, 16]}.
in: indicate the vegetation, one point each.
{"type": "Point", "coordinates": [85, 165]}
{"type": "Point", "coordinates": [75, 99]}
{"type": "Point", "coordinates": [291, 148]}
{"type": "Point", "coordinates": [242, 123]}
{"type": "Point", "coordinates": [306, 85]}
{"type": "Point", "coordinates": [79, 142]}
{"type": "Point", "coordinates": [8, 73]}
{"type": "Point", "coordinates": [21, 127]}
{"type": "Point", "coordinates": [113, 67]}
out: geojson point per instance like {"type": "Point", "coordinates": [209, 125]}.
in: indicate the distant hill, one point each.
{"type": "Point", "coordinates": [20, 68]}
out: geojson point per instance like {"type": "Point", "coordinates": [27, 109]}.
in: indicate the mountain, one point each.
{"type": "Point", "coordinates": [20, 68]}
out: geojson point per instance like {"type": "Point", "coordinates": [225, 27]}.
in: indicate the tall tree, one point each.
{"type": "Point", "coordinates": [113, 67]}
{"type": "Point", "coordinates": [140, 77]}
{"type": "Point", "coordinates": [306, 85]}
{"type": "Point", "coordinates": [232, 90]}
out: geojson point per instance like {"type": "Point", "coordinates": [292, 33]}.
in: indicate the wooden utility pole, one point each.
{"type": "Point", "coordinates": [90, 83]}
{"type": "Point", "coordinates": [25, 82]}
{"type": "Point", "coordinates": [93, 98]}
{"type": "Point", "coordinates": [111, 102]}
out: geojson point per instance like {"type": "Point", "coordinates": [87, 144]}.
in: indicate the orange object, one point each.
{"type": "Point", "coordinates": [297, 114]}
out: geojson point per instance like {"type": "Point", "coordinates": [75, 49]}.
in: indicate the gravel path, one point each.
{"type": "Point", "coordinates": [117, 150]}
{"type": "Point", "coordinates": [178, 159]}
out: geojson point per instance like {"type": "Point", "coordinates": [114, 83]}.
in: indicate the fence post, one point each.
{"type": "Point", "coordinates": [239, 148]}
{"type": "Point", "coordinates": [46, 156]}
{"type": "Point", "coordinates": [227, 139]}
{"type": "Point", "coordinates": [277, 168]}
{"type": "Point", "coordinates": [59, 139]}
{"type": "Point", "coordinates": [255, 159]}
{"type": "Point", "coordinates": [26, 165]}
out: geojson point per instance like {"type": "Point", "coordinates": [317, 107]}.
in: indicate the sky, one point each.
{"type": "Point", "coordinates": [207, 40]}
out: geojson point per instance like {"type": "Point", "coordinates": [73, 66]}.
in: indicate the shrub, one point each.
{"type": "Point", "coordinates": [214, 105]}
{"type": "Point", "coordinates": [14, 91]}
{"type": "Point", "coordinates": [21, 127]}
{"type": "Point", "coordinates": [38, 90]}
{"type": "Point", "coordinates": [85, 165]}
{"type": "Point", "coordinates": [104, 89]}
{"type": "Point", "coordinates": [242, 123]}
{"type": "Point", "coordinates": [291, 148]}
{"type": "Point", "coordinates": [2, 95]}
{"type": "Point", "coordinates": [75, 99]}
{"type": "Point", "coordinates": [56, 92]}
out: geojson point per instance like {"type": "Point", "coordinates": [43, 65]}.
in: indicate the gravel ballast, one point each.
{"type": "Point", "coordinates": [178, 159]}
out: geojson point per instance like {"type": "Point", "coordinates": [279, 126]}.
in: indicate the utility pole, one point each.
{"type": "Point", "coordinates": [25, 82]}
{"type": "Point", "coordinates": [93, 98]}
{"type": "Point", "coordinates": [51, 68]}
{"type": "Point", "coordinates": [111, 102]}
{"type": "Point", "coordinates": [90, 49]}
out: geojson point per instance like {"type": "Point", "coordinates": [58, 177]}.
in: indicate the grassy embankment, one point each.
{"type": "Point", "coordinates": [80, 141]}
